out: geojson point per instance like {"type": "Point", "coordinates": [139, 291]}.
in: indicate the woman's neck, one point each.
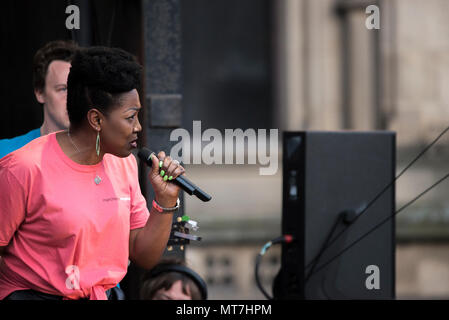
{"type": "Point", "coordinates": [81, 146]}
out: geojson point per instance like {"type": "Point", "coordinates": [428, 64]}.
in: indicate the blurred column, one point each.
{"type": "Point", "coordinates": [389, 63]}
{"type": "Point", "coordinates": [162, 78]}
{"type": "Point", "coordinates": [362, 73]}
{"type": "Point", "coordinates": [162, 100]}
{"type": "Point", "coordinates": [361, 67]}
{"type": "Point", "coordinates": [288, 64]}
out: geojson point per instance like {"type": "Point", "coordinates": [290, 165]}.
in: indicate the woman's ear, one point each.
{"type": "Point", "coordinates": [95, 118]}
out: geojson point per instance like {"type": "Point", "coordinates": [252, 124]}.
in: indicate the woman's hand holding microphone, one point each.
{"type": "Point", "coordinates": [164, 170]}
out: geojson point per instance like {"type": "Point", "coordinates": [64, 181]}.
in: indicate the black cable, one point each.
{"type": "Point", "coordinates": [331, 242]}
{"type": "Point", "coordinates": [259, 284]}
{"type": "Point", "coordinates": [282, 239]}
{"type": "Point", "coordinates": [381, 223]}
{"type": "Point", "coordinates": [317, 259]}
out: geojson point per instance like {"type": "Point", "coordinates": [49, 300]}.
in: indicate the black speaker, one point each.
{"type": "Point", "coordinates": [329, 182]}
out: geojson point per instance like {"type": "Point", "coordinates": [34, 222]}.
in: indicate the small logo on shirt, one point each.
{"type": "Point", "coordinates": [117, 199]}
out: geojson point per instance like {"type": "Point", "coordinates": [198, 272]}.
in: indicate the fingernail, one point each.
{"type": "Point", "coordinates": [165, 178]}
{"type": "Point", "coordinates": [170, 178]}
{"type": "Point", "coordinates": [160, 163]}
{"type": "Point", "coordinates": [162, 173]}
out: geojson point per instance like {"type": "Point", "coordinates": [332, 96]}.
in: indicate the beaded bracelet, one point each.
{"type": "Point", "coordinates": [163, 210]}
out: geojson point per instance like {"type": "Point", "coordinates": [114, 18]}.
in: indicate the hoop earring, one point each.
{"type": "Point", "coordinates": [97, 145]}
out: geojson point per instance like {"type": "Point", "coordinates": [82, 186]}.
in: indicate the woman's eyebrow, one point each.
{"type": "Point", "coordinates": [132, 108]}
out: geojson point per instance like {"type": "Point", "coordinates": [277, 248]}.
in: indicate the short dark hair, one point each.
{"type": "Point", "coordinates": [162, 276]}
{"type": "Point", "coordinates": [53, 50]}
{"type": "Point", "coordinates": [97, 78]}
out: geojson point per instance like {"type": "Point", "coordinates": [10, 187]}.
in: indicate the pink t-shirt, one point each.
{"type": "Point", "coordinates": [66, 235]}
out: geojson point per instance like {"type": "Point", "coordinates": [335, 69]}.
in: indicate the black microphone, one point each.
{"type": "Point", "coordinates": [182, 182]}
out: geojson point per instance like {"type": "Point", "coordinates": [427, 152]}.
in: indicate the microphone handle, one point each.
{"type": "Point", "coordinates": [191, 189]}
{"type": "Point", "coordinates": [184, 185]}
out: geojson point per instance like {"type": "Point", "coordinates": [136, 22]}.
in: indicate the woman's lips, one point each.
{"type": "Point", "coordinates": [134, 144]}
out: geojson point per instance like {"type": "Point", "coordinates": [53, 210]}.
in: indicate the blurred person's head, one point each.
{"type": "Point", "coordinates": [172, 280]}
{"type": "Point", "coordinates": [51, 66]}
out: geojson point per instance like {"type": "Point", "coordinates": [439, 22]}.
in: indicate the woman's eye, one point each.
{"type": "Point", "coordinates": [132, 117]}
{"type": "Point", "coordinates": [62, 89]}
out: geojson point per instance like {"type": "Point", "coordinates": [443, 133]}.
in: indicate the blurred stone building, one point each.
{"type": "Point", "coordinates": [314, 65]}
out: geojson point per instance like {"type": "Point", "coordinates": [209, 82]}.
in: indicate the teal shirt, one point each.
{"type": "Point", "coordinates": [10, 145]}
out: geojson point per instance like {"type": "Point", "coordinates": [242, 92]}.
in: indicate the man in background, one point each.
{"type": "Point", "coordinates": [51, 66]}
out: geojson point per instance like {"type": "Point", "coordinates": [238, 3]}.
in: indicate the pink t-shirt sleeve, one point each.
{"type": "Point", "coordinates": [12, 209]}
{"type": "Point", "coordinates": [139, 211]}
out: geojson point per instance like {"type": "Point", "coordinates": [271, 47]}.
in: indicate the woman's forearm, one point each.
{"type": "Point", "coordinates": [152, 239]}
{"type": "Point", "coordinates": [147, 244]}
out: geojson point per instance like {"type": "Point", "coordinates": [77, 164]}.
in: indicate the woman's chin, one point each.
{"type": "Point", "coordinates": [122, 153]}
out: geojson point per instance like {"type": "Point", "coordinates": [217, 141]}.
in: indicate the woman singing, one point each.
{"type": "Point", "coordinates": [71, 209]}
